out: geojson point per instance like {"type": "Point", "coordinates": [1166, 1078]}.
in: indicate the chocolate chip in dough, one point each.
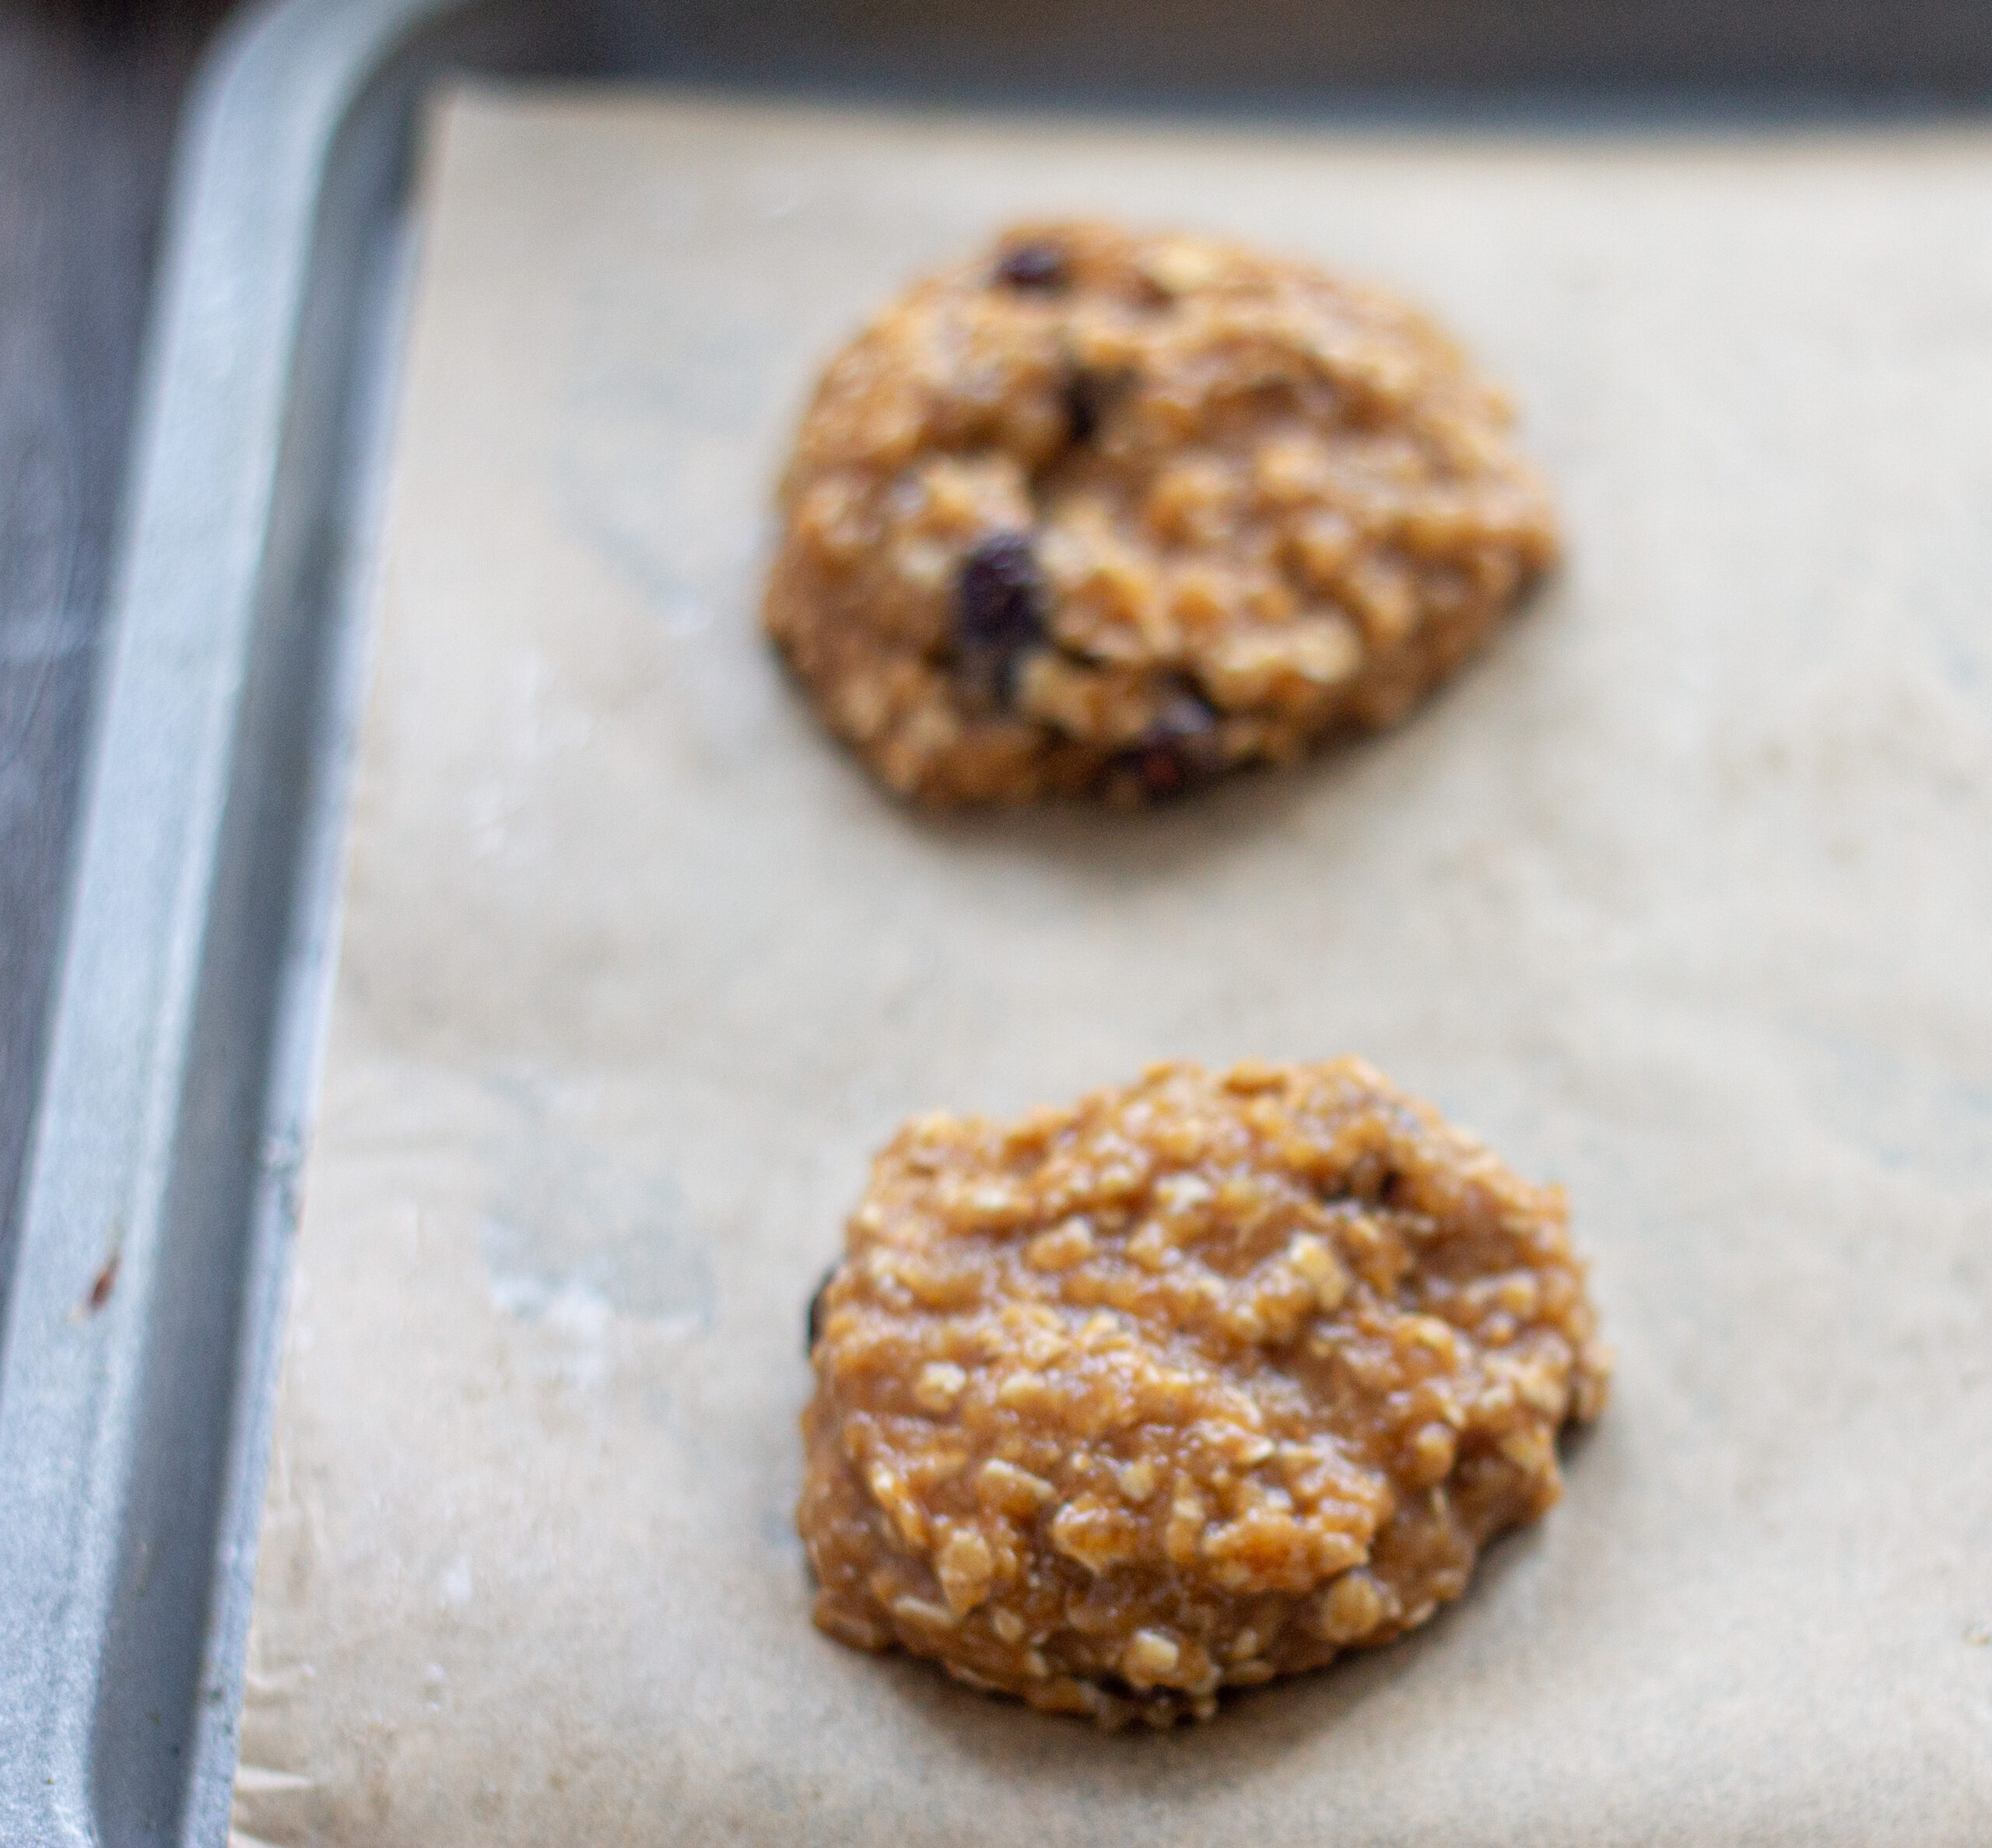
{"type": "Point", "coordinates": [1036, 264]}
{"type": "Point", "coordinates": [999, 604]}
{"type": "Point", "coordinates": [1178, 750]}
{"type": "Point", "coordinates": [813, 1323]}
{"type": "Point", "coordinates": [1085, 398]}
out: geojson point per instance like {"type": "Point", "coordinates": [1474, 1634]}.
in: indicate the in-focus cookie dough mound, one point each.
{"type": "Point", "coordinates": [1188, 1386]}
{"type": "Point", "coordinates": [1099, 513]}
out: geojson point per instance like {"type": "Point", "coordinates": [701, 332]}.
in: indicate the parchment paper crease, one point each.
{"type": "Point", "coordinates": [1682, 895]}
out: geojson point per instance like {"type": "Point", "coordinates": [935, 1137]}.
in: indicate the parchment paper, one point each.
{"type": "Point", "coordinates": [1681, 896]}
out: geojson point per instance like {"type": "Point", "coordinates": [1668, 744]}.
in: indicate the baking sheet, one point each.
{"type": "Point", "coordinates": [1678, 896]}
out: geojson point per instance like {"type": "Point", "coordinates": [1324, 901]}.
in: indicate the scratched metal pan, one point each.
{"type": "Point", "coordinates": [141, 1307]}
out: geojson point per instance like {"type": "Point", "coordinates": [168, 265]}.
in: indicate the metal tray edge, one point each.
{"type": "Point", "coordinates": [221, 355]}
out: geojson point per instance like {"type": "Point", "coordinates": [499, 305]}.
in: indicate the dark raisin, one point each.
{"type": "Point", "coordinates": [999, 605]}
{"type": "Point", "coordinates": [1179, 750]}
{"type": "Point", "coordinates": [1085, 400]}
{"type": "Point", "coordinates": [1033, 265]}
{"type": "Point", "coordinates": [814, 1323]}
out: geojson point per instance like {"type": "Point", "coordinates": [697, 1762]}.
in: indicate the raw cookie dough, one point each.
{"type": "Point", "coordinates": [1102, 513]}
{"type": "Point", "coordinates": [1188, 1386]}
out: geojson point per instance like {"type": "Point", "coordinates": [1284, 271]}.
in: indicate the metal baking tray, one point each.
{"type": "Point", "coordinates": [138, 1348]}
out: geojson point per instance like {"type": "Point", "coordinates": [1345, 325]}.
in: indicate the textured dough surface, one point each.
{"type": "Point", "coordinates": [1103, 513]}
{"type": "Point", "coordinates": [1188, 1385]}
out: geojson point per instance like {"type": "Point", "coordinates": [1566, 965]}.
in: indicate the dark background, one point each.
{"type": "Point", "coordinates": [89, 92]}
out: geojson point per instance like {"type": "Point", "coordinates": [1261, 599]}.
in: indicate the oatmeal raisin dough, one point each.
{"type": "Point", "coordinates": [1188, 1386]}
{"type": "Point", "coordinates": [1106, 514]}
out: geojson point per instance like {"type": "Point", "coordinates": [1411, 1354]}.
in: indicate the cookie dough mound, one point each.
{"type": "Point", "coordinates": [1106, 514]}
{"type": "Point", "coordinates": [1188, 1386]}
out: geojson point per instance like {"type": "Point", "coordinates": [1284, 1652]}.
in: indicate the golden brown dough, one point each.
{"type": "Point", "coordinates": [1187, 1385]}
{"type": "Point", "coordinates": [1109, 514]}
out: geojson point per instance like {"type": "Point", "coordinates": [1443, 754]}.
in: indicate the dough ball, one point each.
{"type": "Point", "coordinates": [1101, 513]}
{"type": "Point", "coordinates": [1185, 1385]}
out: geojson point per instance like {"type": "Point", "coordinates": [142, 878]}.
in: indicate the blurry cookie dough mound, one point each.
{"type": "Point", "coordinates": [1184, 1386]}
{"type": "Point", "coordinates": [1105, 514]}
